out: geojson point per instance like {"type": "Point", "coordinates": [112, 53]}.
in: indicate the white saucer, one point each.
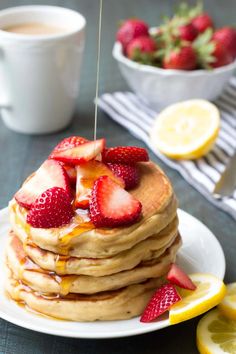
{"type": "Point", "coordinates": [201, 252]}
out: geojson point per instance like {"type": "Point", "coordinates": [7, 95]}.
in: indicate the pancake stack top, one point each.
{"type": "Point", "coordinates": [82, 247]}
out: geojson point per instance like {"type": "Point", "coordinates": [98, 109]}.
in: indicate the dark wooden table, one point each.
{"type": "Point", "coordinates": [21, 154]}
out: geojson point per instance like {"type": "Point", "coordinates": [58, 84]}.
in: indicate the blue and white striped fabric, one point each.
{"type": "Point", "coordinates": [133, 114]}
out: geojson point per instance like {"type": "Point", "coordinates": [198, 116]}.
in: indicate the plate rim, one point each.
{"type": "Point", "coordinates": [118, 333]}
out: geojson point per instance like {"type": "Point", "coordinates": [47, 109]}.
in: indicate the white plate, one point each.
{"type": "Point", "coordinates": [201, 252]}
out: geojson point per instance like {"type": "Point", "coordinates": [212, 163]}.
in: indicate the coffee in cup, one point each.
{"type": "Point", "coordinates": [36, 28]}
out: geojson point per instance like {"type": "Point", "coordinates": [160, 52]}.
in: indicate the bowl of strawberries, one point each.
{"type": "Point", "coordinates": [185, 57]}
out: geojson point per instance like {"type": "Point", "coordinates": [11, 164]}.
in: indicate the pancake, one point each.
{"type": "Point", "coordinates": [119, 304]}
{"type": "Point", "coordinates": [82, 273]}
{"type": "Point", "coordinates": [80, 239]}
{"type": "Point", "coordinates": [45, 282]}
{"type": "Point", "coordinates": [150, 248]}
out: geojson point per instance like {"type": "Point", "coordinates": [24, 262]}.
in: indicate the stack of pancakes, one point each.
{"type": "Point", "coordinates": [81, 273]}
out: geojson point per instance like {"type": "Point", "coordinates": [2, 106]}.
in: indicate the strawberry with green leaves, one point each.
{"type": "Point", "coordinates": [180, 58]}
{"type": "Point", "coordinates": [141, 49]}
{"type": "Point", "coordinates": [210, 52]}
{"type": "Point", "coordinates": [184, 42]}
{"type": "Point", "coordinates": [130, 29]}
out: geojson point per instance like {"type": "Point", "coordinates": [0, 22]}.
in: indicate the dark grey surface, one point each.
{"type": "Point", "coordinates": [21, 154]}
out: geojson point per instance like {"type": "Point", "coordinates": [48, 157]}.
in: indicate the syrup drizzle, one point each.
{"type": "Point", "coordinates": [65, 282]}
{"type": "Point", "coordinates": [98, 70]}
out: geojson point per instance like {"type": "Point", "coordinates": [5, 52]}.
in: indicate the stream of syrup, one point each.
{"type": "Point", "coordinates": [98, 68]}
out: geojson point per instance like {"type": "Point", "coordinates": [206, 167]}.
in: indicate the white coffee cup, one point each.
{"type": "Point", "coordinates": [39, 74]}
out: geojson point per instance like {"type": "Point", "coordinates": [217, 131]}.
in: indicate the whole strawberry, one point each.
{"type": "Point", "coordinates": [128, 173]}
{"type": "Point", "coordinates": [181, 59]}
{"type": "Point", "coordinates": [188, 32]}
{"type": "Point", "coordinates": [130, 29]}
{"type": "Point", "coordinates": [202, 22]}
{"type": "Point", "coordinates": [227, 37]}
{"type": "Point", "coordinates": [125, 154]}
{"type": "Point", "coordinates": [221, 55]}
{"type": "Point", "coordinates": [211, 53]}
{"type": "Point", "coordinates": [141, 49]}
{"type": "Point", "coordinates": [51, 209]}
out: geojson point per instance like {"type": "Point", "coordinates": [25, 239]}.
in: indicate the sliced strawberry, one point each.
{"type": "Point", "coordinates": [125, 154]}
{"type": "Point", "coordinates": [161, 301]}
{"type": "Point", "coordinates": [50, 174]}
{"type": "Point", "coordinates": [68, 143]}
{"type": "Point", "coordinates": [87, 173]}
{"type": "Point", "coordinates": [128, 173]}
{"type": "Point", "coordinates": [111, 206]}
{"type": "Point", "coordinates": [51, 209]}
{"type": "Point", "coordinates": [71, 171]}
{"type": "Point", "coordinates": [178, 277]}
{"type": "Point", "coordinates": [81, 153]}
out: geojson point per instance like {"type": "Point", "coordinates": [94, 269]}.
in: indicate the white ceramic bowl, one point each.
{"type": "Point", "coordinates": [161, 87]}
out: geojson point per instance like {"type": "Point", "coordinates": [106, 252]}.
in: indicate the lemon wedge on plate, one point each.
{"type": "Point", "coordinates": [216, 334]}
{"type": "Point", "coordinates": [209, 292]}
{"type": "Point", "coordinates": [228, 305]}
{"type": "Point", "coordinates": [186, 130]}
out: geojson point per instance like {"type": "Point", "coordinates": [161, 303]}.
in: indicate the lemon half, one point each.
{"type": "Point", "coordinates": [216, 334]}
{"type": "Point", "coordinates": [209, 293]}
{"type": "Point", "coordinates": [228, 304]}
{"type": "Point", "coordinates": [186, 130]}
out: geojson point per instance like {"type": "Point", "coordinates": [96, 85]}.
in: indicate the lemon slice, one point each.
{"type": "Point", "coordinates": [228, 304]}
{"type": "Point", "coordinates": [186, 130]}
{"type": "Point", "coordinates": [216, 334]}
{"type": "Point", "coordinates": [209, 293]}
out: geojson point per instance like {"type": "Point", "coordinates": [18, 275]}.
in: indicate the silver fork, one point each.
{"type": "Point", "coordinates": [227, 183]}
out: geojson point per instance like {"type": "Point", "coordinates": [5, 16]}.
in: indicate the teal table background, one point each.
{"type": "Point", "coordinates": [21, 154]}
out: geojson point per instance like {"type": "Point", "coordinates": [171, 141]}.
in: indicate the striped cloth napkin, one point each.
{"type": "Point", "coordinates": [134, 114]}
